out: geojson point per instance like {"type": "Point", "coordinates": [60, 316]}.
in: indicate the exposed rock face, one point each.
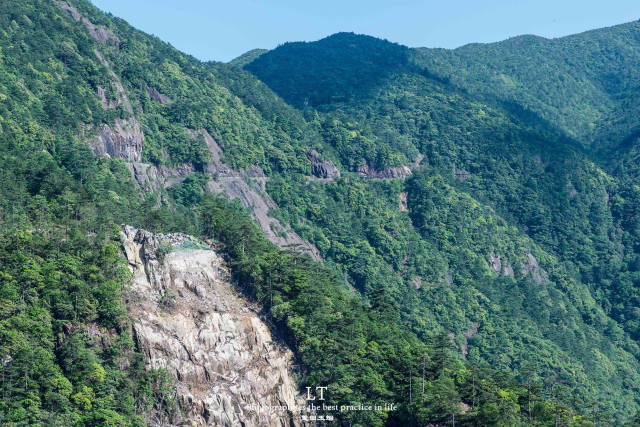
{"type": "Point", "coordinates": [508, 270]}
{"type": "Point", "coordinates": [124, 140]}
{"type": "Point", "coordinates": [495, 262]}
{"type": "Point", "coordinates": [530, 267]}
{"type": "Point", "coordinates": [538, 160]}
{"type": "Point", "coordinates": [259, 203]}
{"type": "Point", "coordinates": [187, 320]}
{"type": "Point", "coordinates": [468, 335]}
{"type": "Point", "coordinates": [106, 104]}
{"type": "Point", "coordinates": [121, 94]}
{"type": "Point", "coordinates": [153, 178]}
{"type": "Point", "coordinates": [322, 169]}
{"type": "Point", "coordinates": [249, 187]}
{"type": "Point", "coordinates": [157, 96]}
{"type": "Point", "coordinates": [448, 278]}
{"type": "Point", "coordinates": [499, 266]}
{"type": "Point", "coordinates": [404, 207]}
{"type": "Point", "coordinates": [215, 165]}
{"type": "Point", "coordinates": [325, 170]}
{"type": "Point", "coordinates": [389, 173]}
{"type": "Point", "coordinates": [99, 34]}
{"type": "Point", "coordinates": [398, 172]}
{"type": "Point", "coordinates": [417, 282]}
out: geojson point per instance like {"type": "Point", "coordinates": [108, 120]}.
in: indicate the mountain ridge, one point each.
{"type": "Point", "coordinates": [385, 111]}
{"type": "Point", "coordinates": [503, 248]}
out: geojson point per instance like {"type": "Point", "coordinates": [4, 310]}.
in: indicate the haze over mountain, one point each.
{"type": "Point", "coordinates": [453, 231]}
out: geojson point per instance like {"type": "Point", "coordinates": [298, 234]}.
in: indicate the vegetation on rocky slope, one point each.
{"type": "Point", "coordinates": [498, 285]}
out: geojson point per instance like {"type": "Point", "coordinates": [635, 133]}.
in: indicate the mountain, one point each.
{"type": "Point", "coordinates": [406, 235]}
{"type": "Point", "coordinates": [482, 150]}
{"type": "Point", "coordinates": [247, 57]}
{"type": "Point", "coordinates": [189, 323]}
{"type": "Point", "coordinates": [584, 84]}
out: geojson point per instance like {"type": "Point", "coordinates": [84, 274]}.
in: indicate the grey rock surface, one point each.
{"type": "Point", "coordinates": [125, 139]}
{"type": "Point", "coordinates": [229, 371]}
{"type": "Point", "coordinates": [322, 169]}
{"type": "Point", "coordinates": [398, 172]}
{"type": "Point", "coordinates": [122, 140]}
{"type": "Point", "coordinates": [99, 34]}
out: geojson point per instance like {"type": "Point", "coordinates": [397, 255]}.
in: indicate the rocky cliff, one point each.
{"type": "Point", "coordinates": [322, 169]}
{"type": "Point", "coordinates": [188, 321]}
{"type": "Point", "coordinates": [125, 139]}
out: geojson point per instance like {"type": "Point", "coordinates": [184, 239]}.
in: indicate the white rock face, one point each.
{"type": "Point", "coordinates": [188, 321]}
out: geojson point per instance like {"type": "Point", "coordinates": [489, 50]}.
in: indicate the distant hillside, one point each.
{"type": "Point", "coordinates": [506, 145]}
{"type": "Point", "coordinates": [585, 84]}
{"type": "Point", "coordinates": [408, 227]}
{"type": "Point", "coordinates": [334, 69]}
{"type": "Point", "coordinates": [247, 57]}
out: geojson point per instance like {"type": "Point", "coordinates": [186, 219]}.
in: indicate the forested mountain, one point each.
{"type": "Point", "coordinates": [476, 242]}
{"type": "Point", "coordinates": [585, 84]}
{"type": "Point", "coordinates": [522, 172]}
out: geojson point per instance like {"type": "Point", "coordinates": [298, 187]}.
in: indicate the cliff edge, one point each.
{"type": "Point", "coordinates": [188, 321]}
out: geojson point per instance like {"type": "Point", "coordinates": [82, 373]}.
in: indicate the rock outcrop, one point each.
{"type": "Point", "coordinates": [155, 178]}
{"type": "Point", "coordinates": [530, 267]}
{"type": "Point", "coordinates": [389, 173]}
{"type": "Point", "coordinates": [461, 174]}
{"type": "Point", "coordinates": [99, 34]}
{"type": "Point", "coordinates": [125, 139]}
{"type": "Point", "coordinates": [499, 266]}
{"type": "Point", "coordinates": [403, 204]}
{"type": "Point", "coordinates": [106, 103]}
{"type": "Point", "coordinates": [322, 169]}
{"type": "Point", "coordinates": [249, 187]}
{"type": "Point", "coordinates": [157, 96]}
{"type": "Point", "coordinates": [397, 172]}
{"type": "Point", "coordinates": [121, 95]}
{"type": "Point", "coordinates": [188, 321]}
{"type": "Point", "coordinates": [122, 140]}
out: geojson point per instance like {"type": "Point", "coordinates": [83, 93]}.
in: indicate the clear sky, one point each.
{"type": "Point", "coordinates": [224, 29]}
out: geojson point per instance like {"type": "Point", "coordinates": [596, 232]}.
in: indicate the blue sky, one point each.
{"type": "Point", "coordinates": [222, 30]}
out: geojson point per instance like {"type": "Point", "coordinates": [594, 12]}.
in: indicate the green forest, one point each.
{"type": "Point", "coordinates": [498, 283]}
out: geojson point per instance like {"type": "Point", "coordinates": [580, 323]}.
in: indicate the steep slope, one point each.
{"type": "Point", "coordinates": [160, 145]}
{"type": "Point", "coordinates": [188, 321]}
{"type": "Point", "coordinates": [426, 281]}
{"type": "Point", "coordinates": [527, 173]}
{"type": "Point", "coordinates": [585, 84]}
{"type": "Point", "coordinates": [73, 81]}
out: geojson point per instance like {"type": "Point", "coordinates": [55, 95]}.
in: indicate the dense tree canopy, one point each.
{"type": "Point", "coordinates": [498, 285]}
